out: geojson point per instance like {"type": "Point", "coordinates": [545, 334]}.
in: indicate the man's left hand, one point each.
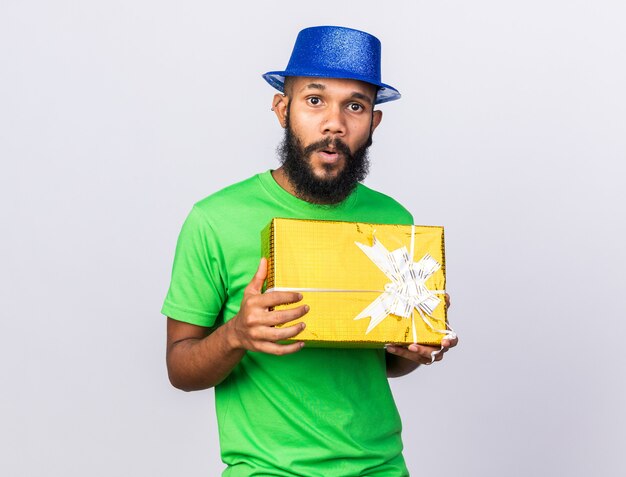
{"type": "Point", "coordinates": [419, 354]}
{"type": "Point", "coordinates": [422, 354]}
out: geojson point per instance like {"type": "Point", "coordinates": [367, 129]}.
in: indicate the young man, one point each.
{"type": "Point", "coordinates": [286, 410]}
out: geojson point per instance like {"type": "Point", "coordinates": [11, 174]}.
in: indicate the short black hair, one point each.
{"type": "Point", "coordinates": [287, 85]}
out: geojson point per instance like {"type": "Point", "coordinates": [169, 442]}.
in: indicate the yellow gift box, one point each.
{"type": "Point", "coordinates": [366, 284]}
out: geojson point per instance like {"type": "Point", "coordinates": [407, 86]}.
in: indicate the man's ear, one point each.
{"type": "Point", "coordinates": [377, 117]}
{"type": "Point", "coordinates": [279, 106]}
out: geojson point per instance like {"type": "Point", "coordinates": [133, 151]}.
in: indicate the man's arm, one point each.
{"type": "Point", "coordinates": [401, 361]}
{"type": "Point", "coordinates": [200, 359]}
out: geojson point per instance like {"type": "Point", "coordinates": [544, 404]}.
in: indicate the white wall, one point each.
{"type": "Point", "coordinates": [115, 117]}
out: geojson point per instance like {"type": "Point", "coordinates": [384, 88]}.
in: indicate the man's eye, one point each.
{"type": "Point", "coordinates": [355, 107]}
{"type": "Point", "coordinates": [314, 101]}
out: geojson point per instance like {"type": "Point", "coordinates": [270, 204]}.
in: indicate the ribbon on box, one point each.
{"type": "Point", "coordinates": [407, 290]}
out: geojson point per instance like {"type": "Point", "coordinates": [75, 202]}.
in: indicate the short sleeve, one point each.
{"type": "Point", "coordinates": [197, 290]}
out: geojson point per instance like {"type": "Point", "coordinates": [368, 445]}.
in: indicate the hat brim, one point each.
{"type": "Point", "coordinates": [384, 94]}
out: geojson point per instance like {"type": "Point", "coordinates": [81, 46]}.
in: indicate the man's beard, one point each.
{"type": "Point", "coordinates": [296, 162]}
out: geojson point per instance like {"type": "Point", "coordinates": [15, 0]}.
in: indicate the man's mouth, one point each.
{"type": "Point", "coordinates": [329, 154]}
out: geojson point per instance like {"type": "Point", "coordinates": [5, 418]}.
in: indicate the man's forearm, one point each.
{"type": "Point", "coordinates": [398, 366]}
{"type": "Point", "coordinates": [202, 362]}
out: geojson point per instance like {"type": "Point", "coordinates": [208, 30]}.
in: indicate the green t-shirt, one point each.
{"type": "Point", "coordinates": [317, 412]}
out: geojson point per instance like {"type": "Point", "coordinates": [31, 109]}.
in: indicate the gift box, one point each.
{"type": "Point", "coordinates": [366, 284]}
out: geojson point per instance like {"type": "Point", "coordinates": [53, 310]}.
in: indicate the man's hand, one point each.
{"type": "Point", "coordinates": [200, 358]}
{"type": "Point", "coordinates": [422, 354]}
{"type": "Point", "coordinates": [253, 328]}
{"type": "Point", "coordinates": [415, 354]}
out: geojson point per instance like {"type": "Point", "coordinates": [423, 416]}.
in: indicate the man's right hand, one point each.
{"type": "Point", "coordinates": [254, 327]}
{"type": "Point", "coordinates": [199, 359]}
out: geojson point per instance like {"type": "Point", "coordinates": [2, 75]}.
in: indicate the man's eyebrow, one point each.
{"type": "Point", "coordinates": [314, 86]}
{"type": "Point", "coordinates": [363, 97]}
{"type": "Point", "coordinates": [355, 94]}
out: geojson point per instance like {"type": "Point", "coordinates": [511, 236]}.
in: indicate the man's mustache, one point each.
{"type": "Point", "coordinates": [337, 143]}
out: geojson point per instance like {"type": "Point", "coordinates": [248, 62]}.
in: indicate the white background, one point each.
{"type": "Point", "coordinates": [116, 116]}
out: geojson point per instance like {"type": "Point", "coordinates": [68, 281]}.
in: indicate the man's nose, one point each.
{"type": "Point", "coordinates": [334, 122]}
